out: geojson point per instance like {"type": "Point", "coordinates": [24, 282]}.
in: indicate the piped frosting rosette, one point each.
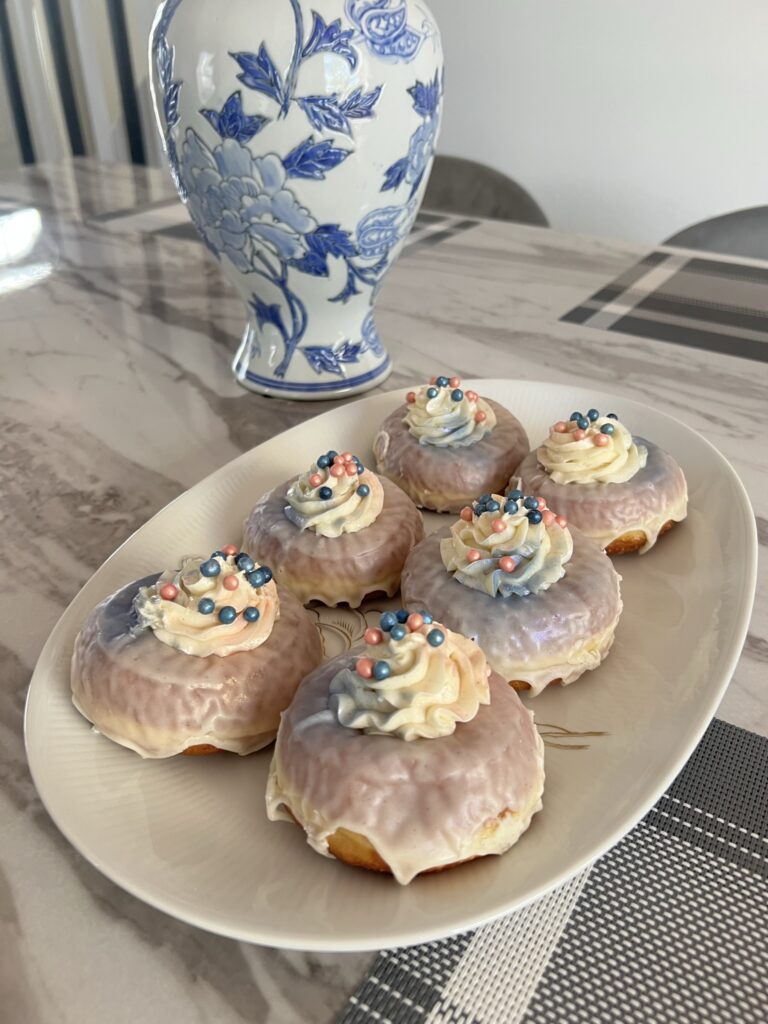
{"type": "Point", "coordinates": [336, 495]}
{"type": "Point", "coordinates": [219, 605]}
{"type": "Point", "coordinates": [415, 680]}
{"type": "Point", "coordinates": [591, 449]}
{"type": "Point", "coordinates": [444, 415]}
{"type": "Point", "coordinates": [506, 546]}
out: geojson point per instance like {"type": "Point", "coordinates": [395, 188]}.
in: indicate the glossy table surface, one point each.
{"type": "Point", "coordinates": [116, 336]}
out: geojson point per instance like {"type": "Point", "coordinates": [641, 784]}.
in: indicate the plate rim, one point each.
{"type": "Point", "coordinates": [259, 934]}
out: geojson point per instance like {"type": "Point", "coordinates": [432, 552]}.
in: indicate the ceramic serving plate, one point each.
{"type": "Point", "coordinates": [190, 835]}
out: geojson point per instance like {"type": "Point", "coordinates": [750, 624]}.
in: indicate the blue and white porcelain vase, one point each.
{"type": "Point", "coordinates": [300, 135]}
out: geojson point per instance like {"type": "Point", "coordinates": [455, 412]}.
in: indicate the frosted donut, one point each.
{"type": "Point", "coordinates": [339, 549]}
{"type": "Point", "coordinates": [444, 452]}
{"type": "Point", "coordinates": [549, 619]}
{"type": "Point", "coordinates": [458, 788]}
{"type": "Point", "coordinates": [159, 701]}
{"type": "Point", "coordinates": [621, 491]}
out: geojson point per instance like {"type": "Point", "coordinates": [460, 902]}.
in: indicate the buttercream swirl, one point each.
{"type": "Point", "coordinates": [178, 622]}
{"type": "Point", "coordinates": [509, 549]}
{"type": "Point", "coordinates": [437, 416]}
{"type": "Point", "coordinates": [427, 691]}
{"type": "Point", "coordinates": [336, 497]}
{"type": "Point", "coordinates": [575, 454]}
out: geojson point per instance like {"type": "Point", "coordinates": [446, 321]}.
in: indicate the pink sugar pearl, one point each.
{"type": "Point", "coordinates": [466, 514]}
{"type": "Point", "coordinates": [455, 381]}
{"type": "Point", "coordinates": [480, 416]}
{"type": "Point", "coordinates": [338, 469]}
{"type": "Point", "coordinates": [410, 397]}
{"type": "Point", "coordinates": [579, 435]}
{"type": "Point", "coordinates": [350, 469]}
{"type": "Point", "coordinates": [433, 380]}
{"type": "Point", "coordinates": [560, 427]}
{"type": "Point", "coordinates": [561, 521]}
{"type": "Point", "coordinates": [547, 517]}
{"type": "Point", "coordinates": [364, 667]}
{"type": "Point", "coordinates": [471, 395]}
{"type": "Point", "coordinates": [542, 503]}
{"type": "Point", "coordinates": [347, 456]}
{"type": "Point", "coordinates": [169, 592]}
{"type": "Point", "coordinates": [507, 564]}
{"type": "Point", "coordinates": [373, 636]}
{"type": "Point", "coordinates": [338, 460]}
{"type": "Point", "coordinates": [600, 440]}
{"type": "Point", "coordinates": [315, 480]}
{"type": "Point", "coordinates": [229, 549]}
{"type": "Point", "coordinates": [473, 555]}
{"type": "Point", "coordinates": [414, 621]}
{"type": "Point", "coordinates": [231, 582]}
{"type": "Point", "coordinates": [498, 526]}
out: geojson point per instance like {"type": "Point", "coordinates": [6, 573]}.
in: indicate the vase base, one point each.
{"type": "Point", "coordinates": [311, 391]}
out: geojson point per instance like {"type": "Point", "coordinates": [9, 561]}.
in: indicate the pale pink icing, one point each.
{"type": "Point", "coordinates": [446, 479]}
{"type": "Point", "coordinates": [654, 495]}
{"type": "Point", "coordinates": [158, 701]}
{"type": "Point", "coordinates": [421, 804]}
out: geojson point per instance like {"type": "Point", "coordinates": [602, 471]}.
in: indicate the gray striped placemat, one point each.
{"type": "Point", "coordinates": [670, 926]}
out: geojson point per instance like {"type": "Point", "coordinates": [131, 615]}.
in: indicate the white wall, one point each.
{"type": "Point", "coordinates": [627, 118]}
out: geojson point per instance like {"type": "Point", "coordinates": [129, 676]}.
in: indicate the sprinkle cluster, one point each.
{"type": "Point", "coordinates": [231, 581]}
{"type": "Point", "coordinates": [579, 424]}
{"type": "Point", "coordinates": [398, 625]}
{"type": "Point", "coordinates": [331, 464]}
{"type": "Point", "coordinates": [457, 395]}
{"type": "Point", "coordinates": [536, 512]}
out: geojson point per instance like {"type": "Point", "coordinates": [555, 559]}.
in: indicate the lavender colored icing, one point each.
{"type": "Point", "coordinates": [158, 701]}
{"type": "Point", "coordinates": [653, 496]}
{"type": "Point", "coordinates": [421, 804]}
{"type": "Point", "coordinates": [555, 634]}
{"type": "Point", "coordinates": [446, 479]}
{"type": "Point", "coordinates": [334, 569]}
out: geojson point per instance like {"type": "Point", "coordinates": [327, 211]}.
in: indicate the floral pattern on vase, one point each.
{"type": "Point", "coordinates": [249, 174]}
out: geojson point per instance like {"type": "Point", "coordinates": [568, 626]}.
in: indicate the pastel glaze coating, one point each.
{"type": "Point", "coordinates": [334, 570]}
{"type": "Point", "coordinates": [557, 634]}
{"type": "Point", "coordinates": [422, 804]}
{"type": "Point", "coordinates": [656, 494]}
{"type": "Point", "coordinates": [447, 479]}
{"type": "Point", "coordinates": [158, 701]}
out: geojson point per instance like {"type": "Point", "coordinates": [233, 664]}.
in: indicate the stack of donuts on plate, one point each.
{"type": "Point", "coordinates": [413, 751]}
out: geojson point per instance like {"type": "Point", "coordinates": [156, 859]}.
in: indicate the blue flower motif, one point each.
{"type": "Point", "coordinates": [385, 29]}
{"type": "Point", "coordinates": [420, 150]}
{"type": "Point", "coordinates": [231, 122]}
{"type": "Point", "coordinates": [234, 198]}
{"type": "Point", "coordinates": [381, 230]}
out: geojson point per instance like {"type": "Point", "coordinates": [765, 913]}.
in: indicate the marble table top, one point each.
{"type": "Point", "coordinates": [116, 336]}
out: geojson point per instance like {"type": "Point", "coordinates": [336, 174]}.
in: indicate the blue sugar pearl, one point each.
{"type": "Point", "coordinates": [612, 416]}
{"type": "Point", "coordinates": [219, 553]}
{"type": "Point", "coordinates": [575, 416]}
{"type": "Point", "coordinates": [402, 615]}
{"type": "Point", "coordinates": [515, 495]}
{"type": "Point", "coordinates": [323, 462]}
{"type": "Point", "coordinates": [267, 573]}
{"type": "Point", "coordinates": [331, 455]}
{"type": "Point", "coordinates": [484, 499]}
{"type": "Point", "coordinates": [205, 605]}
{"type": "Point", "coordinates": [258, 577]}
{"type": "Point", "coordinates": [534, 517]}
{"type": "Point", "coordinates": [227, 614]}
{"type": "Point", "coordinates": [244, 562]}
{"type": "Point", "coordinates": [210, 568]}
{"type": "Point", "coordinates": [381, 670]}
{"type": "Point", "coordinates": [325, 493]}
{"type": "Point", "coordinates": [398, 632]}
{"type": "Point", "coordinates": [363, 490]}
{"type": "Point", "coordinates": [387, 621]}
{"type": "Point", "coordinates": [431, 392]}
{"type": "Point", "coordinates": [582, 424]}
{"type": "Point", "coordinates": [493, 505]}
{"type": "Point", "coordinates": [442, 382]}
{"type": "Point", "coordinates": [511, 507]}
{"type": "Point", "coordinates": [457, 394]}
{"type": "Point", "coordinates": [531, 503]}
{"type": "Point", "coordinates": [607, 428]}
{"type": "Point", "coordinates": [592, 415]}
{"type": "Point", "coordinates": [435, 637]}
{"type": "Point", "coordinates": [251, 614]}
{"type": "Point", "coordinates": [360, 468]}
{"type": "Point", "coordinates": [427, 617]}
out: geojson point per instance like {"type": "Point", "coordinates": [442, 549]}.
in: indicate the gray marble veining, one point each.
{"type": "Point", "coordinates": [116, 395]}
